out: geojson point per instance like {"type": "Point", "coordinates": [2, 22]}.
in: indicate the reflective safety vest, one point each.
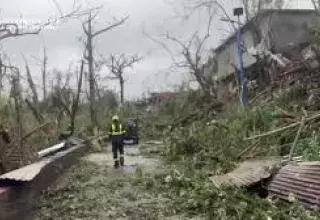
{"type": "Point", "coordinates": [120, 131]}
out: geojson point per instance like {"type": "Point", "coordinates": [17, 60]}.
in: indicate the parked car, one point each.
{"type": "Point", "coordinates": [132, 131]}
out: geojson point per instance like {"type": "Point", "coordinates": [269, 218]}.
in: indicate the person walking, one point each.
{"type": "Point", "coordinates": [116, 132]}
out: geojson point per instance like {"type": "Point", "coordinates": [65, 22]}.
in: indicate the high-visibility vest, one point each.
{"type": "Point", "coordinates": [114, 132]}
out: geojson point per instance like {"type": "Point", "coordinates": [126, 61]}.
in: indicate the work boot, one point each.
{"type": "Point", "coordinates": [116, 164]}
{"type": "Point", "coordinates": [122, 161]}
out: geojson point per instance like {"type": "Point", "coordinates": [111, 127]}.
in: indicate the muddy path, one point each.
{"type": "Point", "coordinates": [93, 189]}
{"type": "Point", "coordinates": [133, 160]}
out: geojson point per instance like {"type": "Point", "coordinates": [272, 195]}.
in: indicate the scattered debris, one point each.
{"type": "Point", "coordinates": [248, 173]}
{"type": "Point", "coordinates": [39, 168]}
{"type": "Point", "coordinates": [52, 149]}
{"type": "Point", "coordinates": [298, 181]}
{"type": "Point", "coordinates": [278, 130]}
{"type": "Point", "coordinates": [25, 184]}
{"type": "Point", "coordinates": [154, 142]}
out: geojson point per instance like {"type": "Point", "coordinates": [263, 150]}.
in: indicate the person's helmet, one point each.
{"type": "Point", "coordinates": [115, 118]}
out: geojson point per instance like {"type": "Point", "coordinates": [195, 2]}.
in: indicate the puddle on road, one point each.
{"type": "Point", "coordinates": [128, 169]}
{"type": "Point", "coordinates": [132, 159]}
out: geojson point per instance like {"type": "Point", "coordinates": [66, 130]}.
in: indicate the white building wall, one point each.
{"type": "Point", "coordinates": [228, 56]}
{"type": "Point", "coordinates": [284, 30]}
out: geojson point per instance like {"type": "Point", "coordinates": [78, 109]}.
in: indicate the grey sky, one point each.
{"type": "Point", "coordinates": [63, 45]}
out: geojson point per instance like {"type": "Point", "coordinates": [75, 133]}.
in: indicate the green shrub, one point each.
{"type": "Point", "coordinates": [191, 193]}
{"type": "Point", "coordinates": [219, 143]}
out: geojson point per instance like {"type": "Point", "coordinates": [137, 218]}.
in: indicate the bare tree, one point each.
{"type": "Point", "coordinates": [66, 99]}
{"type": "Point", "coordinates": [2, 73]}
{"type": "Point", "coordinates": [76, 98]}
{"type": "Point", "coordinates": [212, 7]}
{"type": "Point", "coordinates": [316, 5]}
{"type": "Point", "coordinates": [192, 57]}
{"type": "Point", "coordinates": [254, 7]}
{"type": "Point", "coordinates": [17, 97]}
{"type": "Point", "coordinates": [251, 7]}
{"type": "Point", "coordinates": [44, 73]}
{"type": "Point", "coordinates": [89, 57]}
{"type": "Point", "coordinates": [194, 61]}
{"type": "Point", "coordinates": [34, 106]}
{"type": "Point", "coordinates": [62, 94]}
{"type": "Point", "coordinates": [117, 65]}
{"type": "Point", "coordinates": [31, 83]}
{"type": "Point", "coordinates": [10, 30]}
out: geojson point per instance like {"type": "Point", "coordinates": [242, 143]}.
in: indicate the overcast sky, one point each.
{"type": "Point", "coordinates": [156, 17]}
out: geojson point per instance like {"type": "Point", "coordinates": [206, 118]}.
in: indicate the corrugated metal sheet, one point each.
{"type": "Point", "coordinates": [248, 173]}
{"type": "Point", "coordinates": [14, 158]}
{"type": "Point", "coordinates": [24, 185]}
{"type": "Point", "coordinates": [299, 181]}
{"type": "Point", "coordinates": [29, 172]}
{"type": "Point", "coordinates": [26, 173]}
{"type": "Point", "coordinates": [52, 149]}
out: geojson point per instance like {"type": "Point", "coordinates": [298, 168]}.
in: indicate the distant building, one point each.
{"type": "Point", "coordinates": [278, 31]}
{"type": "Point", "coordinates": [162, 97]}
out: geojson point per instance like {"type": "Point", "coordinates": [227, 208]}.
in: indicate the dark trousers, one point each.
{"type": "Point", "coordinates": [117, 147]}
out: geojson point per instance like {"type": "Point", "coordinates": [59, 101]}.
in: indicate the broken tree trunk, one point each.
{"type": "Point", "coordinates": [92, 91]}
{"type": "Point", "coordinates": [44, 73]}
{"type": "Point", "coordinates": [75, 104]}
{"type": "Point", "coordinates": [294, 145]}
{"type": "Point", "coordinates": [317, 116]}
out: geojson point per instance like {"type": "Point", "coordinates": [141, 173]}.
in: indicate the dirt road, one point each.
{"type": "Point", "coordinates": [95, 190]}
{"type": "Point", "coordinates": [133, 160]}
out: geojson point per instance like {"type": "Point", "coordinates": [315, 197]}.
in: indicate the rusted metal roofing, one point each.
{"type": "Point", "coordinates": [299, 181]}
{"type": "Point", "coordinates": [248, 173]}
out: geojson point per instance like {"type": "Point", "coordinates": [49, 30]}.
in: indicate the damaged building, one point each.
{"type": "Point", "coordinates": [280, 35]}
